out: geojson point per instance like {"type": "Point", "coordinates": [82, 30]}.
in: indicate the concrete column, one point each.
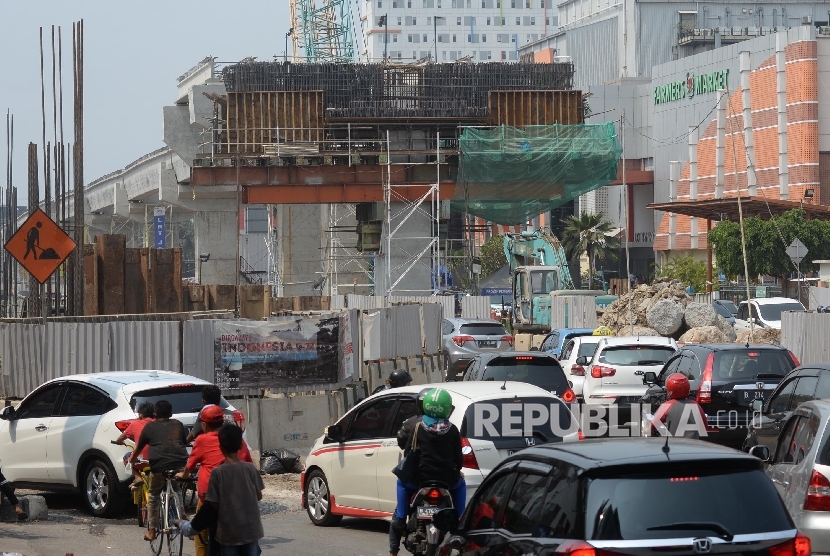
{"type": "Point", "coordinates": [720, 145]}
{"type": "Point", "coordinates": [674, 174]}
{"type": "Point", "coordinates": [749, 143]}
{"type": "Point", "coordinates": [693, 139]}
{"type": "Point", "coordinates": [217, 235]}
{"type": "Point", "coordinates": [781, 89]}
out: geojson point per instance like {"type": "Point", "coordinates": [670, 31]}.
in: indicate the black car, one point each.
{"type": "Point", "coordinates": [603, 497]}
{"type": "Point", "coordinates": [804, 384]}
{"type": "Point", "coordinates": [533, 367]}
{"type": "Point", "coordinates": [725, 380]}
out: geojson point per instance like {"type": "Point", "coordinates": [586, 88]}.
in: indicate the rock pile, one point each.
{"type": "Point", "coordinates": [761, 336]}
{"type": "Point", "coordinates": [665, 309]}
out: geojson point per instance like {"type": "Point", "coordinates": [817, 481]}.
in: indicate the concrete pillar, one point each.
{"type": "Point", "coordinates": [720, 145]}
{"type": "Point", "coordinates": [693, 139]}
{"type": "Point", "coordinates": [674, 174]}
{"type": "Point", "coordinates": [781, 89]}
{"type": "Point", "coordinates": [749, 143]}
{"type": "Point", "coordinates": [217, 234]}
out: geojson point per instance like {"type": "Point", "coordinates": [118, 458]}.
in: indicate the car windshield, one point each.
{"type": "Point", "coordinates": [544, 372]}
{"type": "Point", "coordinates": [722, 311]}
{"type": "Point", "coordinates": [184, 399]}
{"type": "Point", "coordinates": [669, 505]}
{"type": "Point", "coordinates": [729, 306]}
{"type": "Point", "coordinates": [747, 364]}
{"type": "Point", "coordinates": [483, 329]}
{"type": "Point", "coordinates": [586, 350]}
{"type": "Point", "coordinates": [636, 355]}
{"type": "Point", "coordinates": [543, 281]}
{"type": "Point", "coordinates": [773, 311]}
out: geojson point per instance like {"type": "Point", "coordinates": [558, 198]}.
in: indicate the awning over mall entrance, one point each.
{"type": "Point", "coordinates": [727, 208]}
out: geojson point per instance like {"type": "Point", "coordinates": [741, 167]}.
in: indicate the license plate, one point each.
{"type": "Point", "coordinates": [487, 343]}
{"type": "Point", "coordinates": [628, 399]}
{"type": "Point", "coordinates": [426, 512]}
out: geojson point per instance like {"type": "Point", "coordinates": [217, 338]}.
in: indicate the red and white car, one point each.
{"type": "Point", "coordinates": [349, 469]}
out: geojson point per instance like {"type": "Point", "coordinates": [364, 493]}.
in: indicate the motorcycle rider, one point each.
{"type": "Point", "coordinates": [439, 443]}
{"type": "Point", "coordinates": [675, 412]}
{"type": "Point", "coordinates": [397, 378]}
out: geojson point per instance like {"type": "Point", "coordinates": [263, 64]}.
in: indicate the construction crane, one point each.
{"type": "Point", "coordinates": [324, 32]}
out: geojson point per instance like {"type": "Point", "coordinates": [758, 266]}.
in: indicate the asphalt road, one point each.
{"type": "Point", "coordinates": [70, 530]}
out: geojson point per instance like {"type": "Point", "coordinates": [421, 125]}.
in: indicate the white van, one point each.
{"type": "Point", "coordinates": [765, 311]}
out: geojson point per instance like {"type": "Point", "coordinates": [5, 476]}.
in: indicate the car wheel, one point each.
{"type": "Point", "coordinates": [99, 487]}
{"type": "Point", "coordinates": [317, 497]}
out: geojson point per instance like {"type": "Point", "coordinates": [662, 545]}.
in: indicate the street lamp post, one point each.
{"type": "Point", "coordinates": [435, 35]}
{"type": "Point", "coordinates": [285, 52]}
{"type": "Point", "coordinates": [384, 20]}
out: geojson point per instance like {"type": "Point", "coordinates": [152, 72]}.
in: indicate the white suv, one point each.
{"type": "Point", "coordinates": [574, 358]}
{"type": "Point", "coordinates": [349, 469]}
{"type": "Point", "coordinates": [59, 437]}
{"type": "Point", "coordinates": [614, 375]}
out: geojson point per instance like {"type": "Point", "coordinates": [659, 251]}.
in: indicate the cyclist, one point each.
{"type": "Point", "coordinates": [397, 378]}
{"type": "Point", "coordinates": [146, 413]}
{"type": "Point", "coordinates": [166, 438]}
{"type": "Point", "coordinates": [211, 395]}
{"type": "Point", "coordinates": [439, 443]}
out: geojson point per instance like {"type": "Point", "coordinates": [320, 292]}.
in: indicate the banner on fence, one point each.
{"type": "Point", "coordinates": [301, 352]}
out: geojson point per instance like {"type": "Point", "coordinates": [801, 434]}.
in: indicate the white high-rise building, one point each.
{"type": "Point", "coordinates": [483, 30]}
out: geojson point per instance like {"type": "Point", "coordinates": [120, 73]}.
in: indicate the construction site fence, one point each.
{"type": "Point", "coordinates": [476, 307]}
{"type": "Point", "coordinates": [353, 301]}
{"type": "Point", "coordinates": [807, 335]}
{"type": "Point", "coordinates": [573, 312]}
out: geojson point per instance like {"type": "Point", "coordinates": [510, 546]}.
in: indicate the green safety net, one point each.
{"type": "Point", "coordinates": [509, 176]}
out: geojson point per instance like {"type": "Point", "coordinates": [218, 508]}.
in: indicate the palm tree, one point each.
{"type": "Point", "coordinates": [589, 233]}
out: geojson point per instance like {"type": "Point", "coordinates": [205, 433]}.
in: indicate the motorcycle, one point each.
{"type": "Point", "coordinates": [422, 537]}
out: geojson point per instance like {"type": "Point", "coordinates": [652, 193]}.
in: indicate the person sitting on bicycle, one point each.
{"type": "Point", "coordinates": [207, 454]}
{"type": "Point", "coordinates": [166, 438]}
{"type": "Point", "coordinates": [146, 413]}
{"type": "Point", "coordinates": [439, 443]}
{"type": "Point", "coordinates": [211, 395]}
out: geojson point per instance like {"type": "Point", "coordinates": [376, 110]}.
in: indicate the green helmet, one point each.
{"type": "Point", "coordinates": [438, 403]}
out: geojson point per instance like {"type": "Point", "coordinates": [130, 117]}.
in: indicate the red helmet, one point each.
{"type": "Point", "coordinates": [677, 387]}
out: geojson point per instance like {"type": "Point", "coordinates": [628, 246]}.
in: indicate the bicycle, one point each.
{"type": "Point", "coordinates": [170, 512]}
{"type": "Point", "coordinates": [141, 493]}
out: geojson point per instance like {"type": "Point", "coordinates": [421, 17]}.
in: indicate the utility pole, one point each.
{"type": "Point", "coordinates": [384, 20]}
{"type": "Point", "coordinates": [285, 52]}
{"type": "Point", "coordinates": [435, 36]}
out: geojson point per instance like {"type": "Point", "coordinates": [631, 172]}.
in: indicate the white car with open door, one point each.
{"type": "Point", "coordinates": [349, 469]}
{"type": "Point", "coordinates": [575, 356]}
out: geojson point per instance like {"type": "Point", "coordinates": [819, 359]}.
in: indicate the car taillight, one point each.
{"type": "Point", "coordinates": [794, 358]}
{"type": "Point", "coordinates": [568, 396]}
{"type": "Point", "coordinates": [577, 370]}
{"type": "Point", "coordinates": [459, 340]}
{"type": "Point", "coordinates": [599, 371]}
{"type": "Point", "coordinates": [818, 493]}
{"type": "Point", "coordinates": [122, 425]}
{"type": "Point", "coordinates": [470, 461]}
{"type": "Point", "coordinates": [579, 435]}
{"type": "Point", "coordinates": [508, 339]}
{"type": "Point", "coordinates": [704, 392]}
{"type": "Point", "coordinates": [239, 419]}
{"type": "Point", "coordinates": [798, 546]}
{"type": "Point", "coordinates": [582, 548]}
{"type": "Point", "coordinates": [434, 496]}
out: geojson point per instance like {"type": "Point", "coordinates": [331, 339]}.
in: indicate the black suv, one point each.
{"type": "Point", "coordinates": [604, 497]}
{"type": "Point", "coordinates": [725, 380]}
{"type": "Point", "coordinates": [533, 367]}
{"type": "Point", "coordinates": [804, 384]}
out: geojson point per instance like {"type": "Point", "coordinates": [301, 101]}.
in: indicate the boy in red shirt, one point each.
{"type": "Point", "coordinates": [146, 413]}
{"type": "Point", "coordinates": [208, 455]}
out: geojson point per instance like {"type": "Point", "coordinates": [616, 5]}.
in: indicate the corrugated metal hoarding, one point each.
{"type": "Point", "coordinates": [573, 312]}
{"type": "Point", "coordinates": [475, 307]}
{"type": "Point", "coordinates": [807, 335]}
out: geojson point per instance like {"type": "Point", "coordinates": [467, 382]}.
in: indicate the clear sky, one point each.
{"type": "Point", "coordinates": [134, 53]}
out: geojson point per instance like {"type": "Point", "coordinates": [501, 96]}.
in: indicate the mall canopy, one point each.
{"type": "Point", "coordinates": [727, 208]}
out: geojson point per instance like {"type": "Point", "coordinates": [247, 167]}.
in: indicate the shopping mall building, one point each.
{"type": "Point", "coordinates": [750, 116]}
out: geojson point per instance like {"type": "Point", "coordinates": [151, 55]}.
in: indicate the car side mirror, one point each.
{"type": "Point", "coordinates": [446, 520]}
{"type": "Point", "coordinates": [582, 361]}
{"type": "Point", "coordinates": [649, 378]}
{"type": "Point", "coordinates": [7, 414]}
{"type": "Point", "coordinates": [757, 405]}
{"type": "Point", "coordinates": [760, 451]}
{"type": "Point", "coordinates": [334, 433]}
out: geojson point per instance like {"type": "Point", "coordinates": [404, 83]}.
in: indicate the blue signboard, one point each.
{"type": "Point", "coordinates": [159, 227]}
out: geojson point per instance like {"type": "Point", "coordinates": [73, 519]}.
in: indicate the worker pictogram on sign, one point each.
{"type": "Point", "coordinates": [40, 246]}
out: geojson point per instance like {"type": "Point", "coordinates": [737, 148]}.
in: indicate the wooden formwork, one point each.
{"type": "Point", "coordinates": [523, 108]}
{"type": "Point", "coordinates": [257, 119]}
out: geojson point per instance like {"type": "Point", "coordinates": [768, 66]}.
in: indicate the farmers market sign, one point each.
{"type": "Point", "coordinates": [691, 86]}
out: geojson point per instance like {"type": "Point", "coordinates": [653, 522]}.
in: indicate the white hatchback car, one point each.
{"type": "Point", "coordinates": [575, 356]}
{"type": "Point", "coordinates": [614, 375]}
{"type": "Point", "coordinates": [59, 437]}
{"type": "Point", "coordinates": [349, 469]}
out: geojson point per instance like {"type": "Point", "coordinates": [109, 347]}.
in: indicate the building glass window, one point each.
{"type": "Point", "coordinates": [414, 55]}
{"type": "Point", "coordinates": [488, 21]}
{"type": "Point", "coordinates": [518, 21]}
{"type": "Point", "coordinates": [453, 38]}
{"type": "Point", "coordinates": [409, 37]}
{"type": "Point", "coordinates": [512, 3]}
{"type": "Point", "coordinates": [457, 21]}
{"type": "Point", "coordinates": [414, 21]}
{"type": "Point", "coordinates": [503, 55]}
{"type": "Point", "coordinates": [503, 22]}
{"type": "Point", "coordinates": [394, 38]}
{"type": "Point", "coordinates": [473, 20]}
{"type": "Point", "coordinates": [380, 3]}
{"type": "Point", "coordinates": [425, 38]}
{"type": "Point", "coordinates": [429, 21]}
{"type": "Point", "coordinates": [532, 20]}
{"type": "Point", "coordinates": [527, 3]}
{"type": "Point", "coordinates": [469, 2]}
{"type": "Point", "coordinates": [483, 38]}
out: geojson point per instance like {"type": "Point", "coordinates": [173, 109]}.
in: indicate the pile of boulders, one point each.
{"type": "Point", "coordinates": [665, 309]}
{"type": "Point", "coordinates": [761, 336]}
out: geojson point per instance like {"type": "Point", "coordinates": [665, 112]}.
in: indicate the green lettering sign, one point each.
{"type": "Point", "coordinates": [691, 86]}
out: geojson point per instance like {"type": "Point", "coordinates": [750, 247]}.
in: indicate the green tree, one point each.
{"type": "Point", "coordinates": [686, 269]}
{"type": "Point", "coordinates": [589, 234]}
{"type": "Point", "coordinates": [492, 255]}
